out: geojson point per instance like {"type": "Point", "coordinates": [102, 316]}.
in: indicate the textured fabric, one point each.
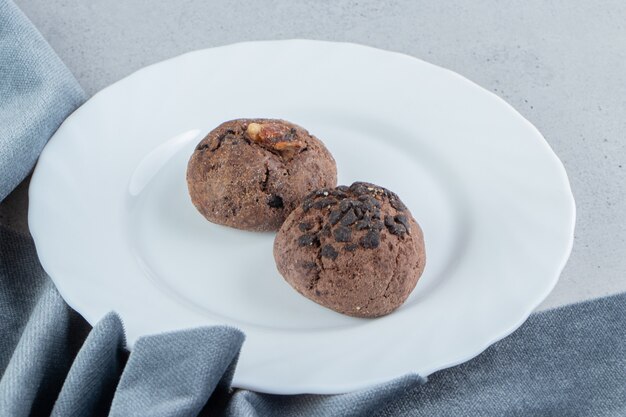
{"type": "Point", "coordinates": [40, 334]}
{"type": "Point", "coordinates": [566, 362]}
{"type": "Point", "coordinates": [184, 367]}
{"type": "Point", "coordinates": [90, 383]}
{"type": "Point", "coordinates": [37, 92]}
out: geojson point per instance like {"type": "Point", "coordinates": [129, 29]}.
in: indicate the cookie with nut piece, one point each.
{"type": "Point", "coordinates": [356, 250]}
{"type": "Point", "coordinates": [251, 173]}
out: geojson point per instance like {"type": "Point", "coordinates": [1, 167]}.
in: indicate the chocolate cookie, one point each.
{"type": "Point", "coordinates": [251, 173]}
{"type": "Point", "coordinates": [356, 250]}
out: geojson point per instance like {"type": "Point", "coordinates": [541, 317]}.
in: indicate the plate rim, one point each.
{"type": "Point", "coordinates": [37, 180]}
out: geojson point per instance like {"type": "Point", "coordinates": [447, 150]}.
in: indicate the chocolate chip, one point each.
{"type": "Point", "coordinates": [349, 218]}
{"type": "Point", "coordinates": [275, 201]}
{"type": "Point", "coordinates": [305, 226]}
{"type": "Point", "coordinates": [369, 203]}
{"type": "Point", "coordinates": [359, 212]}
{"type": "Point", "coordinates": [309, 265]}
{"type": "Point", "coordinates": [307, 204]}
{"type": "Point", "coordinates": [308, 240]}
{"type": "Point", "coordinates": [393, 227]}
{"type": "Point", "coordinates": [329, 252]}
{"type": "Point", "coordinates": [389, 221]}
{"type": "Point", "coordinates": [325, 231]}
{"type": "Point", "coordinates": [396, 203]}
{"type": "Point", "coordinates": [404, 221]}
{"type": "Point", "coordinates": [363, 224]}
{"type": "Point", "coordinates": [343, 188]}
{"type": "Point", "coordinates": [359, 188]}
{"type": "Point", "coordinates": [374, 202]}
{"type": "Point", "coordinates": [399, 230]}
{"type": "Point", "coordinates": [371, 240]}
{"type": "Point", "coordinates": [351, 247]}
{"type": "Point", "coordinates": [376, 214]}
{"type": "Point", "coordinates": [324, 202]}
{"type": "Point", "coordinates": [345, 205]}
{"type": "Point", "coordinates": [334, 216]}
{"type": "Point", "coordinates": [338, 194]}
{"type": "Point", "coordinates": [377, 225]}
{"type": "Point", "coordinates": [342, 234]}
{"type": "Point", "coordinates": [310, 196]}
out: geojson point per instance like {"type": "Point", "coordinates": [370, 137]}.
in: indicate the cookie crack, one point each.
{"type": "Point", "coordinates": [266, 177]}
{"type": "Point", "coordinates": [318, 257]}
{"type": "Point", "coordinates": [385, 293]}
{"type": "Point", "coordinates": [318, 272]}
{"type": "Point", "coordinates": [221, 138]}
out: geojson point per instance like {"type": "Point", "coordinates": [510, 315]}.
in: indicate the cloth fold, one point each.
{"type": "Point", "coordinates": [566, 362]}
{"type": "Point", "coordinates": [90, 384]}
{"type": "Point", "coordinates": [187, 367]}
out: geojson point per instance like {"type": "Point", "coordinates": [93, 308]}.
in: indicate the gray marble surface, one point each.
{"type": "Point", "coordinates": [562, 64]}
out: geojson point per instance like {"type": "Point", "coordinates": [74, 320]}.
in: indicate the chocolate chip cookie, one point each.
{"type": "Point", "coordinates": [251, 173]}
{"type": "Point", "coordinates": [356, 250]}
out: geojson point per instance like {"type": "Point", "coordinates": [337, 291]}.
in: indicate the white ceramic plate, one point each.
{"type": "Point", "coordinates": [115, 229]}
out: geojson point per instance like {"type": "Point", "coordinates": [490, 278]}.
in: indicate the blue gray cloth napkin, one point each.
{"type": "Point", "coordinates": [566, 362]}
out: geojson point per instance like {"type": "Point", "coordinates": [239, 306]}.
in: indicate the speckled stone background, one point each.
{"type": "Point", "coordinates": [562, 64]}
